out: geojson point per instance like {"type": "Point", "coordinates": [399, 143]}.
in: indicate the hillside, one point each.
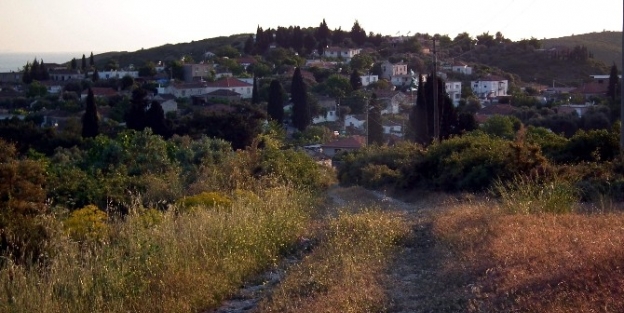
{"type": "Point", "coordinates": [195, 49]}
{"type": "Point", "coordinates": [606, 46]}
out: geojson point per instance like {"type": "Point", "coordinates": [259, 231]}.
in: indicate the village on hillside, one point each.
{"type": "Point", "coordinates": [341, 76]}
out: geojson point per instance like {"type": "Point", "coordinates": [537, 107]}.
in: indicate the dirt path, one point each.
{"type": "Point", "coordinates": [415, 277]}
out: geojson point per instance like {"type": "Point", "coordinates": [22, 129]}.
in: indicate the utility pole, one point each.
{"type": "Point", "coordinates": [367, 122]}
{"type": "Point", "coordinates": [436, 111]}
{"type": "Point", "coordinates": [622, 98]}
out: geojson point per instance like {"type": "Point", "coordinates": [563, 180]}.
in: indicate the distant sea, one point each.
{"type": "Point", "coordinates": [15, 61]}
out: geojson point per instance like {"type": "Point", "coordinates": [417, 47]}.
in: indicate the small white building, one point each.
{"type": "Point", "coordinates": [462, 68]}
{"type": "Point", "coordinates": [368, 79]}
{"type": "Point", "coordinates": [355, 121]}
{"type": "Point", "coordinates": [341, 53]}
{"type": "Point", "coordinates": [453, 89]}
{"type": "Point", "coordinates": [186, 90]}
{"type": "Point", "coordinates": [116, 74]}
{"type": "Point", "coordinates": [329, 111]}
{"type": "Point", "coordinates": [392, 128]}
{"type": "Point", "coordinates": [233, 84]}
{"type": "Point", "coordinates": [490, 87]}
{"type": "Point", "coordinates": [388, 70]}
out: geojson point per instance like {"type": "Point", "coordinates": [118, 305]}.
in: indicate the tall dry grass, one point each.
{"type": "Point", "coordinates": [344, 273]}
{"type": "Point", "coordinates": [536, 262]}
{"type": "Point", "coordinates": [160, 262]}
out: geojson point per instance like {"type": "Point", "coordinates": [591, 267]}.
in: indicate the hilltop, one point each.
{"type": "Point", "coordinates": [606, 46]}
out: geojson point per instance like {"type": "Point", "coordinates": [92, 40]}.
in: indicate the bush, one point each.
{"type": "Point", "coordinates": [205, 200]}
{"type": "Point", "coordinates": [87, 225]}
{"type": "Point", "coordinates": [529, 195]}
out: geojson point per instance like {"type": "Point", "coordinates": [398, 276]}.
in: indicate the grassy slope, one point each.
{"type": "Point", "coordinates": [606, 46]}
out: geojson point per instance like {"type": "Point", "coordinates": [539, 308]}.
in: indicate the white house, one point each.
{"type": "Point", "coordinates": [186, 90]}
{"type": "Point", "coordinates": [329, 111]}
{"type": "Point", "coordinates": [232, 84]}
{"type": "Point", "coordinates": [63, 75]}
{"type": "Point", "coordinates": [368, 79]}
{"type": "Point", "coordinates": [341, 53]}
{"type": "Point", "coordinates": [392, 128]}
{"type": "Point", "coordinates": [355, 120]}
{"type": "Point", "coordinates": [167, 102]}
{"type": "Point", "coordinates": [391, 101]}
{"type": "Point", "coordinates": [116, 74]}
{"type": "Point", "coordinates": [462, 68]}
{"type": "Point", "coordinates": [453, 89]}
{"type": "Point", "coordinates": [388, 70]}
{"type": "Point", "coordinates": [490, 87]}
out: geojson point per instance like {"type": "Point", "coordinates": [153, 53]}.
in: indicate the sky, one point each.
{"type": "Point", "coordinates": [128, 25]}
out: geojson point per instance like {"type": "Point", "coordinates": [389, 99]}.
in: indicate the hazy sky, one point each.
{"type": "Point", "coordinates": [129, 25]}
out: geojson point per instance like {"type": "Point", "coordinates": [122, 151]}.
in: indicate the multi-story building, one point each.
{"type": "Point", "coordinates": [453, 89]}
{"type": "Point", "coordinates": [341, 53]}
{"type": "Point", "coordinates": [388, 70]}
{"type": "Point", "coordinates": [490, 87]}
{"type": "Point", "coordinates": [196, 72]}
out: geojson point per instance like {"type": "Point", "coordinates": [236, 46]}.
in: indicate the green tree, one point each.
{"type": "Point", "coordinates": [91, 60]}
{"type": "Point", "coordinates": [323, 35]}
{"type": "Point", "coordinates": [374, 122]}
{"type": "Point", "coordinates": [249, 45]}
{"type": "Point", "coordinates": [44, 74]}
{"type": "Point", "coordinates": [36, 89]}
{"type": "Point", "coordinates": [358, 34]}
{"type": "Point", "coordinates": [90, 119]}
{"type": "Point", "coordinates": [336, 86]}
{"type": "Point", "coordinates": [275, 107]}
{"type": "Point", "coordinates": [96, 75]}
{"type": "Point", "coordinates": [355, 80]}
{"type": "Point", "coordinates": [135, 116]}
{"type": "Point", "coordinates": [301, 115]}
{"type": "Point", "coordinates": [502, 126]}
{"type": "Point", "coordinates": [84, 63]}
{"type": "Point", "coordinates": [126, 82]}
{"type": "Point", "coordinates": [148, 69]}
{"type": "Point", "coordinates": [418, 118]}
{"type": "Point", "coordinates": [73, 65]}
{"type": "Point", "coordinates": [362, 62]}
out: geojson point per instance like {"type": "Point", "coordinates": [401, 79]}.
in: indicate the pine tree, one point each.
{"type": "Point", "coordinates": [374, 122]}
{"type": "Point", "coordinates": [355, 80]}
{"type": "Point", "coordinates": [43, 71]}
{"type": "Point", "coordinates": [275, 107]}
{"type": "Point", "coordinates": [323, 35]}
{"type": "Point", "coordinates": [255, 99]}
{"type": "Point", "coordinates": [26, 78]}
{"type": "Point", "coordinates": [73, 64]}
{"type": "Point", "coordinates": [249, 45]}
{"type": "Point", "coordinates": [90, 119]}
{"type": "Point", "coordinates": [358, 34]}
{"type": "Point", "coordinates": [301, 117]}
{"type": "Point", "coordinates": [91, 61]}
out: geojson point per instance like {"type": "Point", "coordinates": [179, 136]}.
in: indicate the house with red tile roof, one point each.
{"type": "Point", "coordinates": [592, 89]}
{"type": "Point", "coordinates": [231, 84]}
{"type": "Point", "coordinates": [494, 109]}
{"type": "Point", "coordinates": [344, 144]}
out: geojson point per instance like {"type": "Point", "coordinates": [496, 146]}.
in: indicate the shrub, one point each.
{"type": "Point", "coordinates": [205, 199]}
{"type": "Point", "coordinates": [528, 195]}
{"type": "Point", "coordinates": [87, 225]}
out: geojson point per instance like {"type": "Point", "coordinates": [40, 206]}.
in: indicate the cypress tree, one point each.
{"type": "Point", "coordinates": [73, 64]}
{"type": "Point", "coordinates": [135, 116]}
{"type": "Point", "coordinates": [155, 119]}
{"type": "Point", "coordinates": [96, 75]}
{"type": "Point", "coordinates": [301, 117]}
{"type": "Point", "coordinates": [275, 107]}
{"type": "Point", "coordinates": [418, 118]}
{"type": "Point", "coordinates": [614, 82]}
{"type": "Point", "coordinates": [34, 70]}
{"type": "Point", "coordinates": [374, 122]}
{"type": "Point", "coordinates": [255, 99]}
{"type": "Point", "coordinates": [26, 78]}
{"type": "Point", "coordinates": [91, 61]}
{"type": "Point", "coordinates": [84, 62]}
{"type": "Point", "coordinates": [43, 71]}
{"type": "Point", "coordinates": [90, 119]}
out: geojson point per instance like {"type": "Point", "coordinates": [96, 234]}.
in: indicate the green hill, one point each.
{"type": "Point", "coordinates": [606, 46]}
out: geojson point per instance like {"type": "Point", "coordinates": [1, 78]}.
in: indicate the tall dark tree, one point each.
{"type": "Point", "coordinates": [323, 36]}
{"type": "Point", "coordinates": [275, 107]}
{"type": "Point", "coordinates": [374, 122]}
{"type": "Point", "coordinates": [301, 116]}
{"type": "Point", "coordinates": [355, 80]}
{"type": "Point", "coordinates": [96, 75]}
{"type": "Point", "coordinates": [418, 118]}
{"type": "Point", "coordinates": [90, 119]}
{"type": "Point", "coordinates": [309, 42]}
{"type": "Point", "coordinates": [34, 70]}
{"type": "Point", "coordinates": [84, 63]}
{"type": "Point", "coordinates": [26, 78]}
{"type": "Point", "coordinates": [358, 34]}
{"type": "Point", "coordinates": [91, 61]}
{"type": "Point", "coordinates": [255, 98]}
{"type": "Point", "coordinates": [155, 119]}
{"type": "Point", "coordinates": [447, 113]}
{"type": "Point", "coordinates": [73, 65]}
{"type": "Point", "coordinates": [614, 84]}
{"type": "Point", "coordinates": [135, 116]}
{"type": "Point", "coordinates": [44, 74]}
{"type": "Point", "coordinates": [249, 45]}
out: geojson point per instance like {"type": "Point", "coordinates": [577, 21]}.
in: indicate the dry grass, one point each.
{"type": "Point", "coordinates": [161, 263]}
{"type": "Point", "coordinates": [345, 272]}
{"type": "Point", "coordinates": [535, 263]}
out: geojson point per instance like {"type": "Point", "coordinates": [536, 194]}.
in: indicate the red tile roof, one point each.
{"type": "Point", "coordinates": [353, 142]}
{"type": "Point", "coordinates": [228, 82]}
{"type": "Point", "coordinates": [592, 88]}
